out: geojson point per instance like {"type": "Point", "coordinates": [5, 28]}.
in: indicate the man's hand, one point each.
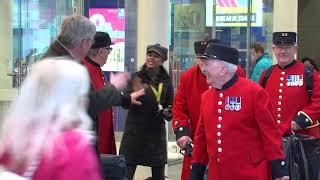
{"type": "Point", "coordinates": [119, 80]}
{"type": "Point", "coordinates": [295, 126]}
{"type": "Point", "coordinates": [282, 178]}
{"type": "Point", "coordinates": [182, 142]}
{"type": "Point", "coordinates": [135, 95]}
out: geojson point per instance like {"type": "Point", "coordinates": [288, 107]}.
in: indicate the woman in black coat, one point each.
{"type": "Point", "coordinates": [144, 139]}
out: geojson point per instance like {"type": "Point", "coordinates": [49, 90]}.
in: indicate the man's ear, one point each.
{"type": "Point", "coordinates": [223, 70]}
{"type": "Point", "coordinates": [100, 51]}
{"type": "Point", "coordinates": [82, 43]}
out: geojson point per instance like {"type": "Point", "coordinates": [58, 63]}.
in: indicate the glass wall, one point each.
{"type": "Point", "coordinates": [27, 27]}
{"type": "Point", "coordinates": [238, 23]}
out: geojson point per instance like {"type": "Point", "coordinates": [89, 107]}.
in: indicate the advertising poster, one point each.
{"type": "Point", "coordinates": [233, 13]}
{"type": "Point", "coordinates": [112, 21]}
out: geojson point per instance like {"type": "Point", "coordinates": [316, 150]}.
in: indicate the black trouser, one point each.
{"type": "Point", "coordinates": [157, 172]}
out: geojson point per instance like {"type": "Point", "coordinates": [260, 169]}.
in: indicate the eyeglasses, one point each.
{"type": "Point", "coordinates": [108, 49]}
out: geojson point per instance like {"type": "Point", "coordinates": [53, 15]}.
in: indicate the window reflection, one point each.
{"type": "Point", "coordinates": [27, 29]}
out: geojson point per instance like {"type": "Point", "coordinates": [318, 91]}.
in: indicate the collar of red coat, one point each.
{"type": "Point", "coordinates": [91, 61]}
{"type": "Point", "coordinates": [289, 65]}
{"type": "Point", "coordinates": [230, 82]}
{"type": "Point", "coordinates": [98, 80]}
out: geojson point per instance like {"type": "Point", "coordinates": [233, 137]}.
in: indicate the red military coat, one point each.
{"type": "Point", "coordinates": [186, 104]}
{"type": "Point", "coordinates": [237, 133]}
{"type": "Point", "coordinates": [106, 139]}
{"type": "Point", "coordinates": [240, 71]}
{"type": "Point", "coordinates": [292, 102]}
{"type": "Point", "coordinates": [186, 107]}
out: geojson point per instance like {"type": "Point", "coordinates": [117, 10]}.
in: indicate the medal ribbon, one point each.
{"type": "Point", "coordinates": [156, 93]}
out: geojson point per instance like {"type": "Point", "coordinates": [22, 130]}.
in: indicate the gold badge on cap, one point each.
{"type": "Point", "coordinates": [204, 43]}
{"type": "Point", "coordinates": [284, 34]}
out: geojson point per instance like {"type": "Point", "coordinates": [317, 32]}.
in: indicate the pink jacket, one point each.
{"type": "Point", "coordinates": [73, 157]}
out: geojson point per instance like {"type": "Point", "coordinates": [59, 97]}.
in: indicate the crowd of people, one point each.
{"type": "Point", "coordinates": [62, 119]}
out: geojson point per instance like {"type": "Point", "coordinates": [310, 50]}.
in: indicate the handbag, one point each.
{"type": "Point", "coordinates": [296, 158]}
{"type": "Point", "coordinates": [114, 167]}
{"type": "Point", "coordinates": [312, 150]}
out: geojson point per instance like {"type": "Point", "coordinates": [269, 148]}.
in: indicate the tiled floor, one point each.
{"type": "Point", "coordinates": [173, 171]}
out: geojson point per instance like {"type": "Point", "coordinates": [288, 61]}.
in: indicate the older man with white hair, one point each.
{"type": "Point", "coordinates": [74, 40]}
{"type": "Point", "coordinates": [236, 125]}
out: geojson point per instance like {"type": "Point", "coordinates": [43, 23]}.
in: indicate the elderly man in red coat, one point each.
{"type": "Point", "coordinates": [236, 134]}
{"type": "Point", "coordinates": [287, 87]}
{"type": "Point", "coordinates": [96, 58]}
{"type": "Point", "coordinates": [187, 103]}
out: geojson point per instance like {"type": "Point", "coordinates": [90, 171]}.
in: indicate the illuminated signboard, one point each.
{"type": "Point", "coordinates": [112, 21]}
{"type": "Point", "coordinates": [233, 13]}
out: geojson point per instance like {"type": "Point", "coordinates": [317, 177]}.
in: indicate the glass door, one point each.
{"type": "Point", "coordinates": [27, 29]}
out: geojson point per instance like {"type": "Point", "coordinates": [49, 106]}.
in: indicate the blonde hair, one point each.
{"type": "Point", "coordinates": [49, 104]}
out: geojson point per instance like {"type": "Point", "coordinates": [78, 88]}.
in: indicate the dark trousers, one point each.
{"type": "Point", "coordinates": [157, 172]}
